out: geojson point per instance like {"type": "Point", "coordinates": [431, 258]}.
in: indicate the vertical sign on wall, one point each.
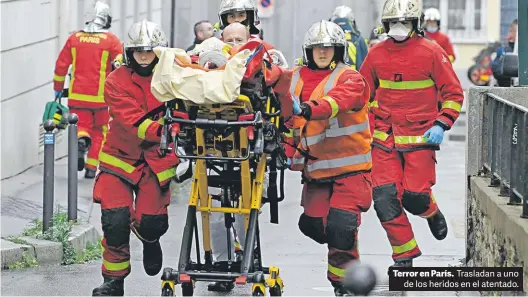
{"type": "Point", "coordinates": [266, 8]}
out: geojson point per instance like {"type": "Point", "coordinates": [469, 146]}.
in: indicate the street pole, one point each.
{"type": "Point", "coordinates": [49, 172]}
{"type": "Point", "coordinates": [523, 42]}
{"type": "Point", "coordinates": [73, 153]}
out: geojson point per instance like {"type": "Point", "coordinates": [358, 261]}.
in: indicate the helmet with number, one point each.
{"type": "Point", "coordinates": [102, 19]}
{"type": "Point", "coordinates": [143, 36]}
{"type": "Point", "coordinates": [327, 34]}
{"type": "Point", "coordinates": [401, 10]}
{"type": "Point", "coordinates": [230, 6]}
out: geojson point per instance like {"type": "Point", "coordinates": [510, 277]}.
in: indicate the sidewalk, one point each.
{"type": "Point", "coordinates": [22, 197]}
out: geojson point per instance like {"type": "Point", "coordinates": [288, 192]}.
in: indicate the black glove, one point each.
{"type": "Point", "coordinates": [306, 111]}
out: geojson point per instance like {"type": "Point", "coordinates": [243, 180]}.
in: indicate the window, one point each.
{"type": "Point", "coordinates": [431, 3]}
{"type": "Point", "coordinates": [455, 15]}
{"type": "Point", "coordinates": [463, 20]}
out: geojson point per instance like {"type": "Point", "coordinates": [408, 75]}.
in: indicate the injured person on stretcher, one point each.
{"type": "Point", "coordinates": [218, 82]}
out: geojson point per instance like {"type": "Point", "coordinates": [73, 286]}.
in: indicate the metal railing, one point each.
{"type": "Point", "coordinates": [505, 149]}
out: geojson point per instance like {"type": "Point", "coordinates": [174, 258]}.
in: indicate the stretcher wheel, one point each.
{"type": "Point", "coordinates": [275, 291]}
{"type": "Point", "coordinates": [187, 289]}
{"type": "Point", "coordinates": [167, 291]}
{"type": "Point", "coordinates": [258, 289]}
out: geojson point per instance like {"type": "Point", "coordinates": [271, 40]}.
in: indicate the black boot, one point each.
{"type": "Point", "coordinates": [403, 263]}
{"type": "Point", "coordinates": [339, 290]}
{"type": "Point", "coordinates": [82, 147]}
{"type": "Point", "coordinates": [152, 257]}
{"type": "Point", "coordinates": [110, 287]}
{"type": "Point", "coordinates": [89, 173]}
{"type": "Point", "coordinates": [438, 225]}
{"type": "Point", "coordinates": [221, 286]}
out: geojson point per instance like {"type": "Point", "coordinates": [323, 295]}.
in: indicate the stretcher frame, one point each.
{"type": "Point", "coordinates": [253, 162]}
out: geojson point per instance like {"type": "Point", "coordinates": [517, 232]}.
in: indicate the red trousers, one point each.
{"type": "Point", "coordinates": [93, 124]}
{"type": "Point", "coordinates": [332, 215]}
{"type": "Point", "coordinates": [148, 219]}
{"type": "Point", "coordinates": [403, 180]}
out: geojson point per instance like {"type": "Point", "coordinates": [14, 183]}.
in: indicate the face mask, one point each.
{"type": "Point", "coordinates": [431, 29]}
{"type": "Point", "coordinates": [399, 31]}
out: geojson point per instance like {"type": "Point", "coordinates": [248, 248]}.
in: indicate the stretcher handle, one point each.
{"type": "Point", "coordinates": [205, 123]}
{"type": "Point", "coordinates": [215, 158]}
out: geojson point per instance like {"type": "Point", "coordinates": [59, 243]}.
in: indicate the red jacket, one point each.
{"type": "Point", "coordinates": [443, 40]}
{"type": "Point", "coordinates": [134, 131]}
{"type": "Point", "coordinates": [91, 56]}
{"type": "Point", "coordinates": [337, 133]}
{"type": "Point", "coordinates": [351, 93]}
{"type": "Point", "coordinates": [405, 79]}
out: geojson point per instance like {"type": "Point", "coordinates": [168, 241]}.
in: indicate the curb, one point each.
{"type": "Point", "coordinates": [47, 252]}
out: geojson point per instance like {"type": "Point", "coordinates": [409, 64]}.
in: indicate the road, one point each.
{"type": "Point", "coordinates": [302, 262]}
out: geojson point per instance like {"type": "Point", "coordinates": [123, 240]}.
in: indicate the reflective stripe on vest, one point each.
{"type": "Point", "coordinates": [143, 127]}
{"type": "Point", "coordinates": [111, 160]}
{"type": "Point", "coordinates": [406, 85]}
{"type": "Point", "coordinates": [380, 135]}
{"type": "Point", "coordinates": [59, 77]}
{"type": "Point", "coordinates": [410, 139]}
{"type": "Point", "coordinates": [351, 127]}
{"type": "Point", "coordinates": [116, 266]}
{"type": "Point", "coordinates": [352, 54]}
{"type": "Point", "coordinates": [116, 162]}
{"type": "Point", "coordinates": [295, 88]}
{"type": "Point", "coordinates": [166, 174]}
{"type": "Point", "coordinates": [452, 105]}
{"type": "Point", "coordinates": [99, 98]}
{"type": "Point", "coordinates": [406, 247]}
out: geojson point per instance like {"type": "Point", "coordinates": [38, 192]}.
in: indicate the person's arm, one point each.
{"type": "Point", "coordinates": [367, 71]}
{"type": "Point", "coordinates": [363, 51]}
{"type": "Point", "coordinates": [451, 93]}
{"type": "Point", "coordinates": [61, 66]}
{"type": "Point", "coordinates": [116, 53]}
{"type": "Point", "coordinates": [126, 110]}
{"type": "Point", "coordinates": [350, 93]}
{"type": "Point", "coordinates": [448, 47]}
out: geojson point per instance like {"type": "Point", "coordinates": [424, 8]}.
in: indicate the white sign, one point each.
{"type": "Point", "coordinates": [266, 8]}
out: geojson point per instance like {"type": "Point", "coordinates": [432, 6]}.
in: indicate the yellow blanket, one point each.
{"type": "Point", "coordinates": [171, 81]}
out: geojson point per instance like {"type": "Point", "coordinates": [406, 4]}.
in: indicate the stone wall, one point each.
{"type": "Point", "coordinates": [496, 234]}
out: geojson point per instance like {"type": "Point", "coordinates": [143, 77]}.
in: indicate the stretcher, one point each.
{"type": "Point", "coordinates": [232, 146]}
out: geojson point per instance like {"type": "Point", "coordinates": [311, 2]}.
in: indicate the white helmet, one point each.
{"type": "Point", "coordinates": [228, 6]}
{"type": "Point", "coordinates": [101, 21]}
{"type": "Point", "coordinates": [324, 33]}
{"type": "Point", "coordinates": [432, 14]}
{"type": "Point", "coordinates": [401, 10]}
{"type": "Point", "coordinates": [343, 12]}
{"type": "Point", "coordinates": [143, 36]}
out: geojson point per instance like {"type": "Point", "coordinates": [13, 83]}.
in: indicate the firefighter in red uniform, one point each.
{"type": "Point", "coordinates": [244, 12]}
{"type": "Point", "coordinates": [432, 30]}
{"type": "Point", "coordinates": [91, 52]}
{"type": "Point", "coordinates": [130, 164]}
{"type": "Point", "coordinates": [405, 74]}
{"type": "Point", "coordinates": [332, 148]}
